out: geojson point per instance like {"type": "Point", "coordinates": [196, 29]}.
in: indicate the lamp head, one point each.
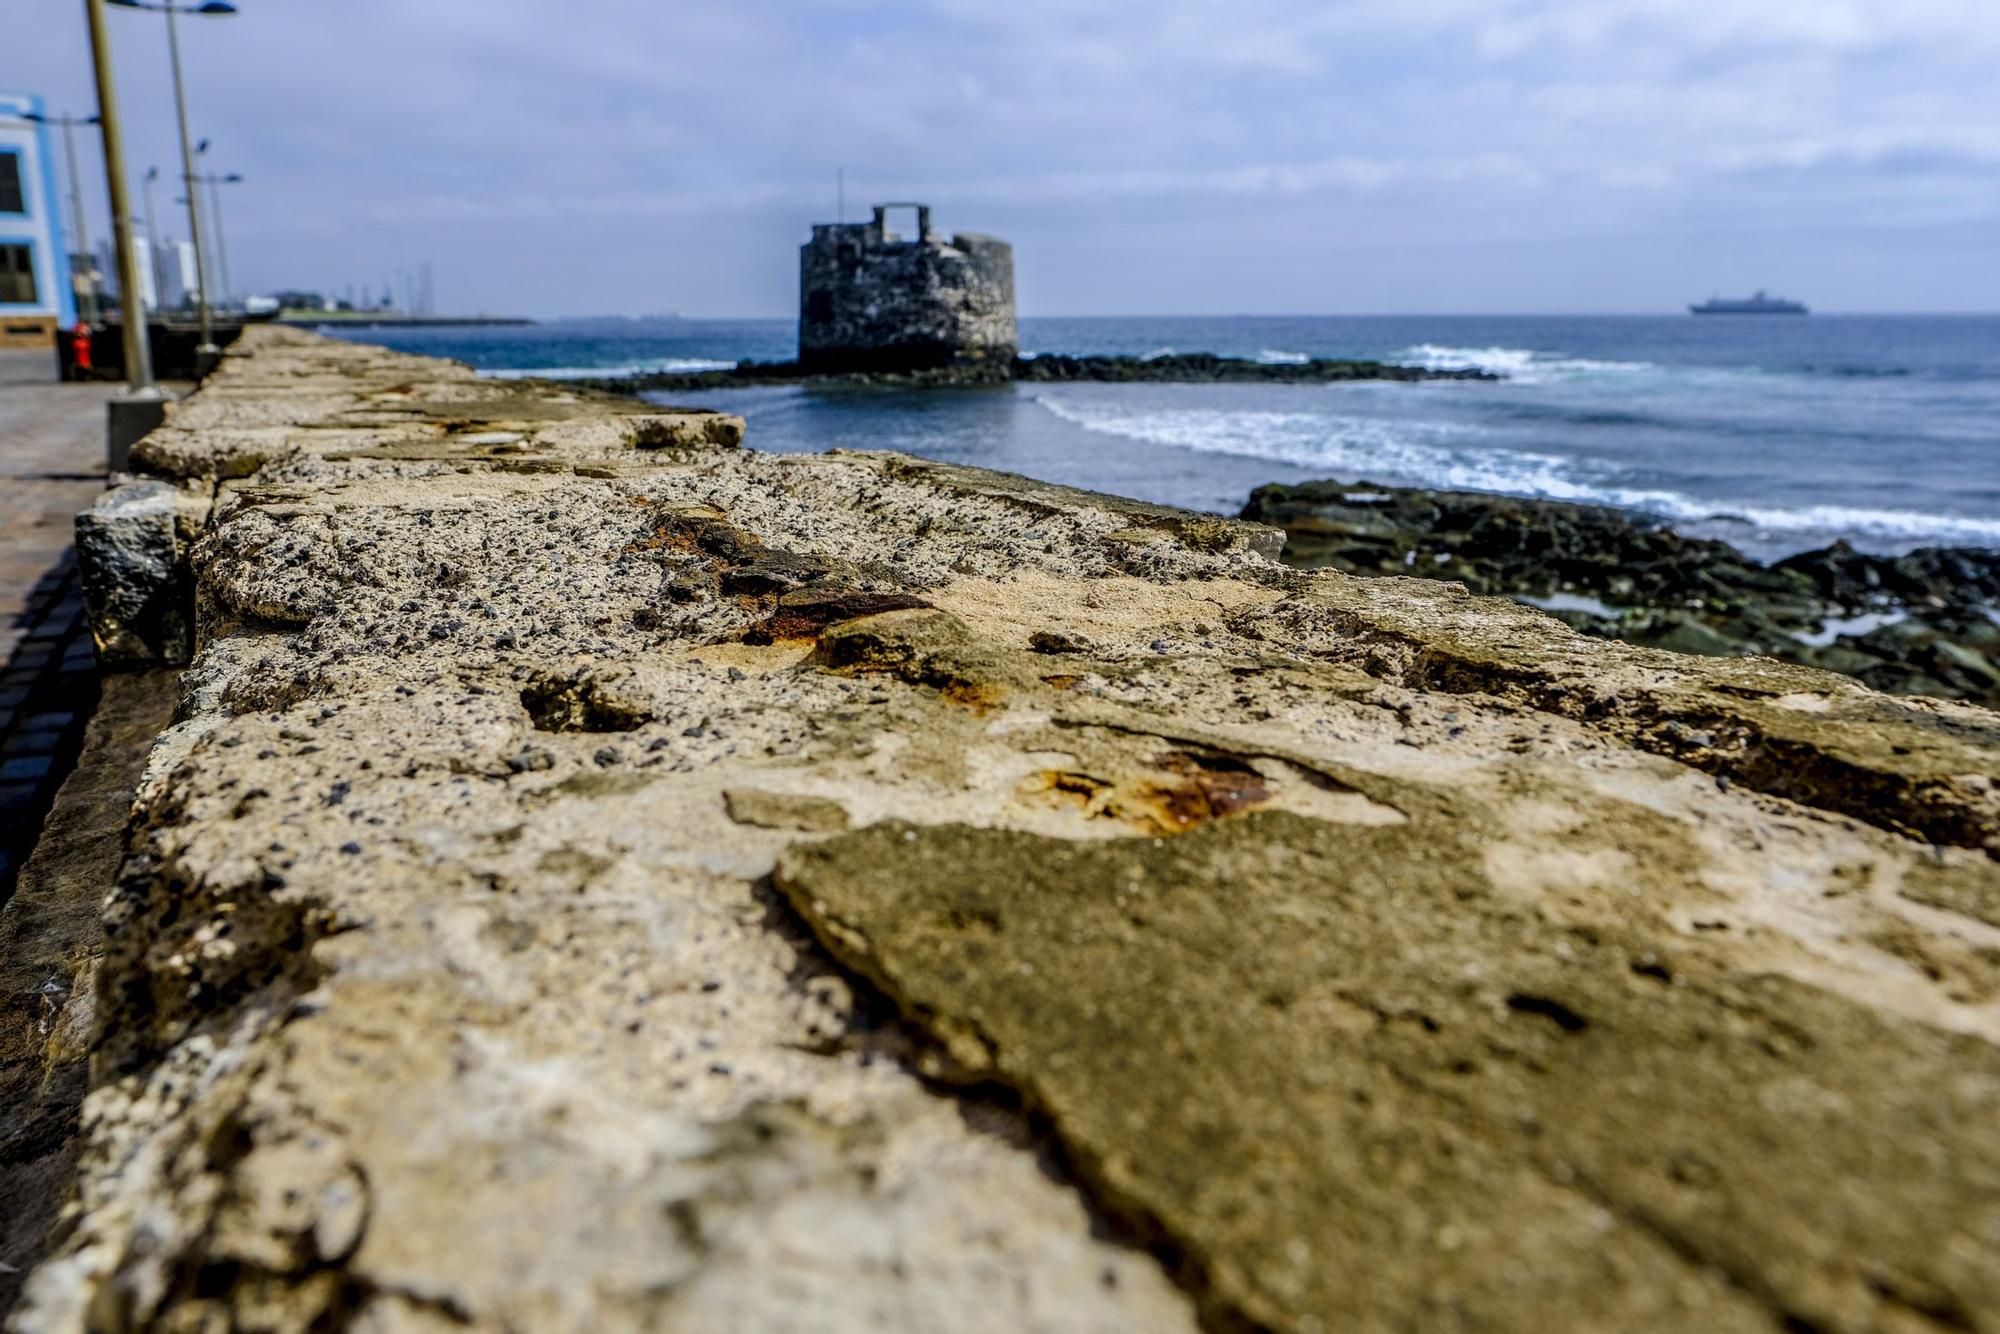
{"type": "Point", "coordinates": [211, 7]}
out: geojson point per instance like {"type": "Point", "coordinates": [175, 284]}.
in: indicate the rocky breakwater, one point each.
{"type": "Point", "coordinates": [601, 877]}
{"type": "Point", "coordinates": [1174, 368]}
{"type": "Point", "coordinates": [1925, 623]}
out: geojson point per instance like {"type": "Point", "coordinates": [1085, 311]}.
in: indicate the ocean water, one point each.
{"type": "Point", "coordinates": [1776, 433]}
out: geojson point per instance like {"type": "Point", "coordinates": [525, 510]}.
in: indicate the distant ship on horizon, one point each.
{"type": "Point", "coordinates": [1759, 304]}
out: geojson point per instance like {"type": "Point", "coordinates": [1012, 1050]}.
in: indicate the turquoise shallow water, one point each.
{"type": "Point", "coordinates": [1776, 433]}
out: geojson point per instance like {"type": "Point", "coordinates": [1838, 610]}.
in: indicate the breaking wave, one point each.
{"type": "Point", "coordinates": [1451, 456]}
{"type": "Point", "coordinates": [1271, 358]}
{"type": "Point", "coordinates": [1516, 363]}
{"type": "Point", "coordinates": [669, 366]}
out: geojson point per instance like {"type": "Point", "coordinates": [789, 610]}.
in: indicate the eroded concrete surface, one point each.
{"type": "Point", "coordinates": [601, 877]}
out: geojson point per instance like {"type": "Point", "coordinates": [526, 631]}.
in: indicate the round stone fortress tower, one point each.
{"type": "Point", "coordinates": [870, 300]}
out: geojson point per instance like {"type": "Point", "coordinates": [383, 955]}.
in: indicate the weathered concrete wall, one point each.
{"type": "Point", "coordinates": [870, 300]}
{"type": "Point", "coordinates": [603, 878]}
{"type": "Point", "coordinates": [50, 946]}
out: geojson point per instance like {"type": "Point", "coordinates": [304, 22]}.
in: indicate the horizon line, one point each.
{"type": "Point", "coordinates": [1309, 315]}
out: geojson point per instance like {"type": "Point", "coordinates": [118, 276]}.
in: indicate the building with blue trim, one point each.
{"type": "Point", "coordinates": [37, 296]}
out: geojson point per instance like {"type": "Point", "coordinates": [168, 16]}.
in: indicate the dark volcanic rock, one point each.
{"type": "Point", "coordinates": [1190, 368]}
{"type": "Point", "coordinates": [1856, 580]}
{"type": "Point", "coordinates": [1206, 367]}
{"type": "Point", "coordinates": [746, 374]}
{"type": "Point", "coordinates": [1919, 623]}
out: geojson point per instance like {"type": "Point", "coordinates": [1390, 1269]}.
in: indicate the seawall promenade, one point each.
{"type": "Point", "coordinates": [599, 876]}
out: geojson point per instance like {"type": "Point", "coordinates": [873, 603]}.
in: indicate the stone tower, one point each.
{"type": "Point", "coordinates": [870, 300]}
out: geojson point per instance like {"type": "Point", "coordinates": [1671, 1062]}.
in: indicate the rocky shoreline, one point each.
{"type": "Point", "coordinates": [1918, 624]}
{"type": "Point", "coordinates": [1176, 368]}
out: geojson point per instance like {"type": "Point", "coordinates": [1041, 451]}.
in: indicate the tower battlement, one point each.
{"type": "Point", "coordinates": [872, 300]}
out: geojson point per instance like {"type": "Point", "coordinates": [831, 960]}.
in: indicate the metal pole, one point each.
{"type": "Point", "coordinates": [152, 236]}
{"type": "Point", "coordinates": [215, 184]}
{"type": "Point", "coordinates": [142, 406]}
{"type": "Point", "coordinates": [138, 354]}
{"type": "Point", "coordinates": [207, 348]}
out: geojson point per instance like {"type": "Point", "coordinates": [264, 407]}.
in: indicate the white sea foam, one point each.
{"type": "Point", "coordinates": [1157, 353]}
{"type": "Point", "coordinates": [1525, 365]}
{"type": "Point", "coordinates": [1834, 627]}
{"type": "Point", "coordinates": [1435, 357]}
{"type": "Point", "coordinates": [1570, 602]}
{"type": "Point", "coordinates": [670, 366]}
{"type": "Point", "coordinates": [1459, 456]}
{"type": "Point", "coordinates": [1272, 358]}
{"type": "Point", "coordinates": [1438, 452]}
{"type": "Point", "coordinates": [1854, 520]}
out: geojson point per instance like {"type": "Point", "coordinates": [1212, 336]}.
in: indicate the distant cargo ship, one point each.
{"type": "Point", "coordinates": [1760, 304]}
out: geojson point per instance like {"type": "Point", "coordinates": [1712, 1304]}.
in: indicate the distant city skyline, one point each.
{"type": "Point", "coordinates": [1379, 156]}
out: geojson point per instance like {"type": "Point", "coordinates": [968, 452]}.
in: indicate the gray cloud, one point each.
{"type": "Point", "coordinates": [1172, 155]}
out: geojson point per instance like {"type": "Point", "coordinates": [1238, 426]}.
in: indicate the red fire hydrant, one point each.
{"type": "Point", "coordinates": [79, 350]}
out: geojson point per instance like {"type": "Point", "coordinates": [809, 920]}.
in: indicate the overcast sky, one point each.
{"type": "Point", "coordinates": [1144, 156]}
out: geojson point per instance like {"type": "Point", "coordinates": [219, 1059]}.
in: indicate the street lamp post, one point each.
{"type": "Point", "coordinates": [215, 181]}
{"type": "Point", "coordinates": [215, 184]}
{"type": "Point", "coordinates": [142, 406]}
{"type": "Point", "coordinates": [82, 233]}
{"type": "Point", "coordinates": [207, 351]}
{"type": "Point", "coordinates": [152, 237]}
{"type": "Point", "coordinates": [223, 287]}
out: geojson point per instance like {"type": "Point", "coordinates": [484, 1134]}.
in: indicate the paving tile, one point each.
{"type": "Point", "coordinates": [26, 766]}
{"type": "Point", "coordinates": [53, 719]}
{"type": "Point", "coordinates": [51, 464]}
{"type": "Point", "coordinates": [39, 741]}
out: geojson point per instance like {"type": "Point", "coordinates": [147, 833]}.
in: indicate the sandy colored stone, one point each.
{"type": "Point", "coordinates": [1365, 1088]}
{"type": "Point", "coordinates": [449, 981]}
{"type": "Point", "coordinates": [785, 810]}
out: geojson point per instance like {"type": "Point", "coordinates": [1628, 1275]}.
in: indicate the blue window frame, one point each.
{"type": "Point", "coordinates": [17, 273]}
{"type": "Point", "coordinates": [13, 189]}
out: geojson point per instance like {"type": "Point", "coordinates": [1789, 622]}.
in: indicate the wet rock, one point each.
{"type": "Point", "coordinates": [1179, 368]}
{"type": "Point", "coordinates": [1620, 575]}
{"type": "Point", "coordinates": [1856, 581]}
{"type": "Point", "coordinates": [1207, 368]}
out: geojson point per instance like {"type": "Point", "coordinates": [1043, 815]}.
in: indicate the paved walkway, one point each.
{"type": "Point", "coordinates": [51, 466]}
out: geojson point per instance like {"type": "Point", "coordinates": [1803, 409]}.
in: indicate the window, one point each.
{"type": "Point", "coordinates": [12, 200]}
{"type": "Point", "coordinates": [17, 275]}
